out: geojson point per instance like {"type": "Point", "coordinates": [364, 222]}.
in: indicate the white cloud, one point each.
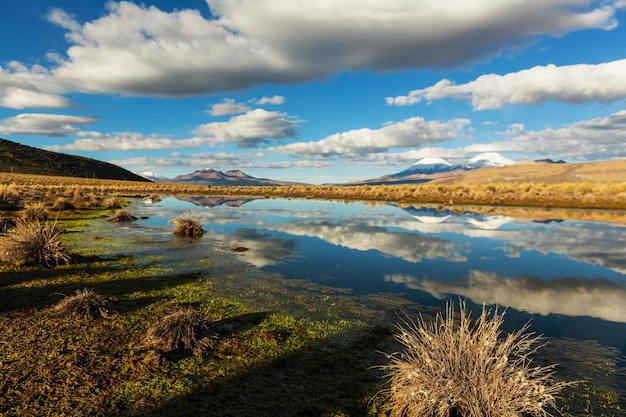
{"type": "Point", "coordinates": [276, 100]}
{"type": "Point", "coordinates": [249, 130]}
{"type": "Point", "coordinates": [22, 88]}
{"type": "Point", "coordinates": [413, 132]}
{"type": "Point", "coordinates": [580, 83]}
{"type": "Point", "coordinates": [55, 125]}
{"type": "Point", "coordinates": [227, 107]}
{"type": "Point", "coordinates": [599, 138]}
{"type": "Point", "coordinates": [96, 141]}
{"type": "Point", "coordinates": [140, 50]}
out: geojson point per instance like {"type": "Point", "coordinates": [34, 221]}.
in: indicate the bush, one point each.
{"type": "Point", "coordinates": [84, 304]}
{"type": "Point", "coordinates": [122, 216]}
{"type": "Point", "coordinates": [451, 368]}
{"type": "Point", "coordinates": [34, 243]}
{"type": "Point", "coordinates": [184, 328]}
{"type": "Point", "coordinates": [34, 211]}
{"type": "Point", "coordinates": [187, 225]}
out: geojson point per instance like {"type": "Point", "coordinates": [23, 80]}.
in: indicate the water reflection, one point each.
{"type": "Point", "coordinates": [410, 247]}
{"type": "Point", "coordinates": [261, 249]}
{"type": "Point", "coordinates": [570, 276]}
{"type": "Point", "coordinates": [596, 297]}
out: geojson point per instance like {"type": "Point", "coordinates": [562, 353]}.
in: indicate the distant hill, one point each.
{"type": "Point", "coordinates": [546, 172]}
{"type": "Point", "coordinates": [22, 159]}
{"type": "Point", "coordinates": [211, 177]}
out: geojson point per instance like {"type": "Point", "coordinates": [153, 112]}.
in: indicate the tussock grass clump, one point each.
{"type": "Point", "coordinates": [84, 304]}
{"type": "Point", "coordinates": [187, 225]}
{"type": "Point", "coordinates": [112, 203]}
{"type": "Point", "coordinates": [34, 211]}
{"type": "Point", "coordinates": [34, 243]}
{"type": "Point", "coordinates": [453, 368]}
{"type": "Point", "coordinates": [184, 328]}
{"type": "Point", "coordinates": [63, 203]}
{"type": "Point", "coordinates": [122, 216]}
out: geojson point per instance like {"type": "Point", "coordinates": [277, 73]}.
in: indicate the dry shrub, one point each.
{"type": "Point", "coordinates": [187, 225]}
{"type": "Point", "coordinates": [184, 328]}
{"type": "Point", "coordinates": [34, 243]}
{"type": "Point", "coordinates": [84, 304]}
{"type": "Point", "coordinates": [63, 203]}
{"type": "Point", "coordinates": [111, 203]}
{"type": "Point", "coordinates": [34, 211]}
{"type": "Point", "coordinates": [451, 368]}
{"type": "Point", "coordinates": [122, 216]}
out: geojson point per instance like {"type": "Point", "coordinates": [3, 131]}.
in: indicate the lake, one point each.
{"type": "Point", "coordinates": [567, 277]}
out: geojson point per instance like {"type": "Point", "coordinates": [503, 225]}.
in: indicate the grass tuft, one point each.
{"type": "Point", "coordinates": [187, 225]}
{"type": "Point", "coordinates": [184, 328]}
{"type": "Point", "coordinates": [455, 368]}
{"type": "Point", "coordinates": [122, 216]}
{"type": "Point", "coordinates": [34, 211]}
{"type": "Point", "coordinates": [34, 243]}
{"type": "Point", "coordinates": [84, 304]}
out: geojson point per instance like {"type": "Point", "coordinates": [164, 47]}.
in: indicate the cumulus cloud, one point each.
{"type": "Point", "coordinates": [580, 83]}
{"type": "Point", "coordinates": [96, 141]}
{"type": "Point", "coordinates": [55, 125]}
{"type": "Point", "coordinates": [276, 100]}
{"type": "Point", "coordinates": [141, 50]}
{"type": "Point", "coordinates": [251, 129]}
{"type": "Point", "coordinates": [22, 88]}
{"type": "Point", "coordinates": [227, 107]}
{"type": "Point", "coordinates": [413, 132]}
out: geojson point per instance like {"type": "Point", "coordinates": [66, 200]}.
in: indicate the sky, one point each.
{"type": "Point", "coordinates": [314, 91]}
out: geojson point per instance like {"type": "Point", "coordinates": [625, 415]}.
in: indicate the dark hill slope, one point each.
{"type": "Point", "coordinates": [22, 159]}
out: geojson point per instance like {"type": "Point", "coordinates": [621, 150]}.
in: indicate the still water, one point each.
{"type": "Point", "coordinates": [567, 277]}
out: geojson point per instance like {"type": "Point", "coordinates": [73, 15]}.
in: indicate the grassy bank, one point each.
{"type": "Point", "coordinates": [581, 195]}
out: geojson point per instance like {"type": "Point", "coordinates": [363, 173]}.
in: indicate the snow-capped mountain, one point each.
{"type": "Point", "coordinates": [488, 159]}
{"type": "Point", "coordinates": [428, 166]}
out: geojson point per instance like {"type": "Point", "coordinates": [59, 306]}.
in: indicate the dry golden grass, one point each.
{"type": "Point", "coordinates": [83, 304]}
{"type": "Point", "coordinates": [34, 211]}
{"type": "Point", "coordinates": [122, 216]}
{"type": "Point", "coordinates": [529, 193]}
{"type": "Point", "coordinates": [184, 328]}
{"type": "Point", "coordinates": [188, 226]}
{"type": "Point", "coordinates": [34, 243]}
{"type": "Point", "coordinates": [463, 369]}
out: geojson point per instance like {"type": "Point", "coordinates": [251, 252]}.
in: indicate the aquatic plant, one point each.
{"type": "Point", "coordinates": [184, 328]}
{"type": "Point", "coordinates": [461, 368]}
{"type": "Point", "coordinates": [187, 225]}
{"type": "Point", "coordinates": [34, 243]}
{"type": "Point", "coordinates": [83, 304]}
{"type": "Point", "coordinates": [122, 216]}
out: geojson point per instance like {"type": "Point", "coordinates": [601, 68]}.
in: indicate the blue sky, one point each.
{"type": "Point", "coordinates": [311, 90]}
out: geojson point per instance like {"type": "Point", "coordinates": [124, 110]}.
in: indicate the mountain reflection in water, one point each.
{"type": "Point", "coordinates": [568, 276]}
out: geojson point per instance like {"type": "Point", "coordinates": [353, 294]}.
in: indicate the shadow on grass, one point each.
{"type": "Point", "coordinates": [18, 293]}
{"type": "Point", "coordinates": [335, 377]}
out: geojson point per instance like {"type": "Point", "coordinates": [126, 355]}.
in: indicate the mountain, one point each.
{"type": "Point", "coordinates": [427, 166]}
{"type": "Point", "coordinates": [428, 169]}
{"type": "Point", "coordinates": [487, 159]}
{"type": "Point", "coordinates": [211, 177]}
{"type": "Point", "coordinates": [22, 159]}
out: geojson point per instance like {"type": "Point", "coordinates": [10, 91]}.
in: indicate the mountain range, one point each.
{"type": "Point", "coordinates": [211, 177]}
{"type": "Point", "coordinates": [428, 169]}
